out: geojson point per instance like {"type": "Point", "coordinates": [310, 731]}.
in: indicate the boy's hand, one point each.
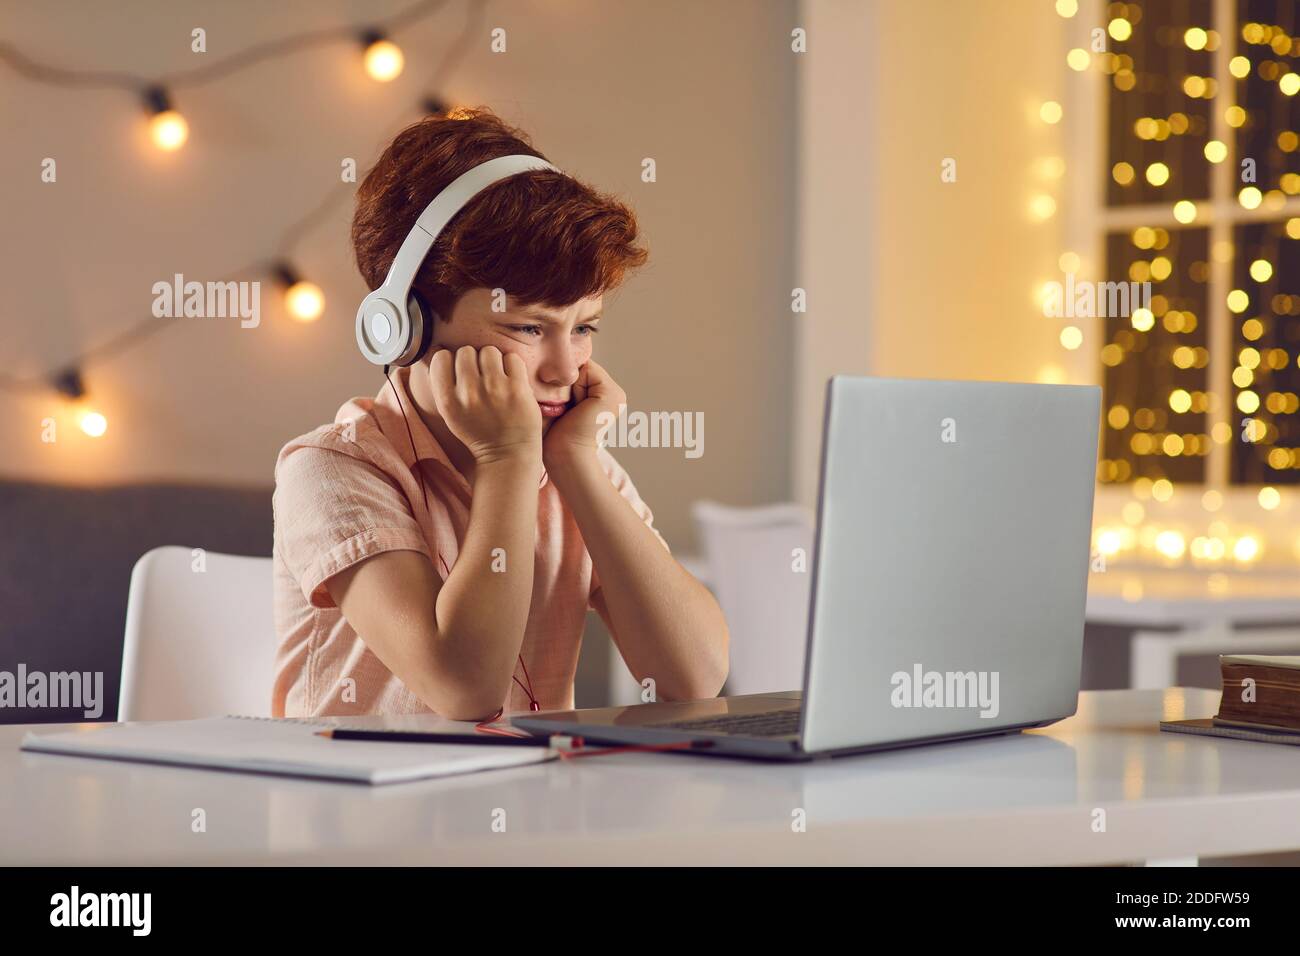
{"type": "Point", "coordinates": [485, 400]}
{"type": "Point", "coordinates": [575, 433]}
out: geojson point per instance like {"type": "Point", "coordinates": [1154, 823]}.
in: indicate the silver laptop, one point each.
{"type": "Point", "coordinates": [950, 571]}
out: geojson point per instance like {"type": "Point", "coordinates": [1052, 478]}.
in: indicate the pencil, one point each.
{"type": "Point", "coordinates": [416, 737]}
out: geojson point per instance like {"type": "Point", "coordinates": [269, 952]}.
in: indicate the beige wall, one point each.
{"type": "Point", "coordinates": [907, 275]}
{"type": "Point", "coordinates": [707, 90]}
{"type": "Point", "coordinates": [913, 277]}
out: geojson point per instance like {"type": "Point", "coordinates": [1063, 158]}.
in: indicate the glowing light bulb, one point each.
{"type": "Point", "coordinates": [1289, 84]}
{"type": "Point", "coordinates": [1067, 8]}
{"type": "Point", "coordinates": [169, 130]}
{"type": "Point", "coordinates": [1078, 59]}
{"type": "Point", "coordinates": [1185, 211]}
{"type": "Point", "coordinates": [305, 301]}
{"type": "Point", "coordinates": [1246, 548]}
{"type": "Point", "coordinates": [384, 60]}
{"type": "Point", "coordinates": [1215, 151]}
{"type": "Point", "coordinates": [1050, 112]}
{"type": "Point", "coordinates": [1171, 544]}
{"type": "Point", "coordinates": [1260, 270]}
{"type": "Point", "coordinates": [1109, 541]}
{"type": "Point", "coordinates": [92, 423]}
{"type": "Point", "coordinates": [1042, 207]}
{"type": "Point", "coordinates": [1269, 498]}
{"type": "Point", "coordinates": [1119, 28]}
{"type": "Point", "coordinates": [1157, 174]}
{"type": "Point", "coordinates": [167, 127]}
{"type": "Point", "coordinates": [1196, 38]}
{"type": "Point", "coordinates": [1071, 337]}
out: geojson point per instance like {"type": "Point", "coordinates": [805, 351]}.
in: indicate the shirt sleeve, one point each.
{"type": "Point", "coordinates": [333, 510]}
{"type": "Point", "coordinates": [619, 477]}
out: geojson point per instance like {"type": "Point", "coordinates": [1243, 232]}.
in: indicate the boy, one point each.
{"type": "Point", "coordinates": [437, 547]}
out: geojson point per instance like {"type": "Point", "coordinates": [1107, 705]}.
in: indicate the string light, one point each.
{"type": "Point", "coordinates": [1042, 207]}
{"type": "Point", "coordinates": [304, 300]}
{"type": "Point", "coordinates": [1261, 270]}
{"type": "Point", "coordinates": [166, 126]}
{"type": "Point", "coordinates": [93, 423]}
{"type": "Point", "coordinates": [1171, 544]}
{"type": "Point", "coordinates": [1145, 431]}
{"type": "Point", "coordinates": [70, 383]}
{"type": "Point", "coordinates": [169, 130]}
{"type": "Point", "coordinates": [383, 58]}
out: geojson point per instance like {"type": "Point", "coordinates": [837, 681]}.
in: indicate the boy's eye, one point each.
{"type": "Point", "coordinates": [582, 330]}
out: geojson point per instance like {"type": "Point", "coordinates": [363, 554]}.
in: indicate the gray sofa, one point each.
{"type": "Point", "coordinates": [65, 565]}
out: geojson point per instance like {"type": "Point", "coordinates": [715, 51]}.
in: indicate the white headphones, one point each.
{"type": "Point", "coordinates": [394, 323]}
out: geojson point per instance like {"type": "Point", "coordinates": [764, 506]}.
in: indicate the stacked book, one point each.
{"type": "Point", "coordinates": [1261, 701]}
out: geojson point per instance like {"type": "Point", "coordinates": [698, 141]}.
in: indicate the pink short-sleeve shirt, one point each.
{"type": "Point", "coordinates": [349, 490]}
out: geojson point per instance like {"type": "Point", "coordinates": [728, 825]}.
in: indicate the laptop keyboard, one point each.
{"type": "Point", "coordinates": [774, 723]}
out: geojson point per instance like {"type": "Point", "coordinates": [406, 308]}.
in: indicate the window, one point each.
{"type": "Point", "coordinates": [1200, 196]}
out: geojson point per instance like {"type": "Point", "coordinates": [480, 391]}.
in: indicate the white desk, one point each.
{"type": "Point", "coordinates": [1198, 613]}
{"type": "Point", "coordinates": [1022, 799]}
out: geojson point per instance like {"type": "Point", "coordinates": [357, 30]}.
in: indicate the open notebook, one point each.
{"type": "Point", "coordinates": [289, 747]}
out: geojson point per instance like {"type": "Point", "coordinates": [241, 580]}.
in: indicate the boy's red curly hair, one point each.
{"type": "Point", "coordinates": [544, 237]}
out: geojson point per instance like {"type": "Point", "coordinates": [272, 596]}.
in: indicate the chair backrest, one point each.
{"type": "Point", "coordinates": [761, 579]}
{"type": "Point", "coordinates": [200, 636]}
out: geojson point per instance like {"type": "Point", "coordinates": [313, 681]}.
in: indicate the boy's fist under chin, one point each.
{"type": "Point", "coordinates": [577, 430]}
{"type": "Point", "coordinates": [485, 399]}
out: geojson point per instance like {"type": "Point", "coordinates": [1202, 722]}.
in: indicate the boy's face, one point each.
{"type": "Point", "coordinates": [554, 343]}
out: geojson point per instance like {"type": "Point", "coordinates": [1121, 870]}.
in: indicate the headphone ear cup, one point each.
{"type": "Point", "coordinates": [422, 318]}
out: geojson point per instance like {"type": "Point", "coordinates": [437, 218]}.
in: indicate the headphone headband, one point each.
{"type": "Point", "coordinates": [392, 327]}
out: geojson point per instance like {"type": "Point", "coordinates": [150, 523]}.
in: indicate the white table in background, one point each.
{"type": "Point", "coordinates": [1197, 612]}
{"type": "Point", "coordinates": [1029, 798]}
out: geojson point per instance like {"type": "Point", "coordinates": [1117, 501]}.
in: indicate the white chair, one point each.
{"type": "Point", "coordinates": [200, 637]}
{"type": "Point", "coordinates": [753, 570]}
